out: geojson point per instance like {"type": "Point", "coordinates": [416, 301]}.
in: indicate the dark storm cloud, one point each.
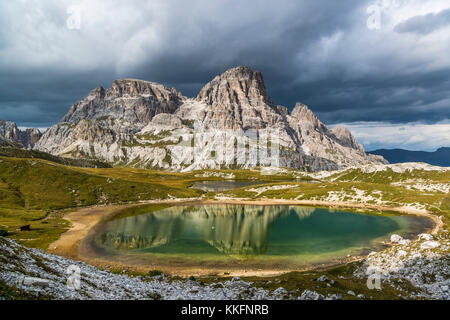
{"type": "Point", "coordinates": [397, 99]}
{"type": "Point", "coordinates": [317, 52]}
{"type": "Point", "coordinates": [425, 24]}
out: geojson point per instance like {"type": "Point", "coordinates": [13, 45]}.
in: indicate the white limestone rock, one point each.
{"type": "Point", "coordinates": [430, 245]}
{"type": "Point", "coordinates": [395, 238]}
{"type": "Point", "coordinates": [311, 295]}
{"type": "Point", "coordinates": [425, 236]}
{"type": "Point", "coordinates": [9, 132]}
{"type": "Point", "coordinates": [131, 122]}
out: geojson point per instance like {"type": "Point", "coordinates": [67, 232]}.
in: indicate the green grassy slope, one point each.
{"type": "Point", "coordinates": [32, 191]}
{"type": "Point", "coordinates": [384, 188]}
{"type": "Point", "coordinates": [16, 152]}
{"type": "Point", "coordinates": [389, 176]}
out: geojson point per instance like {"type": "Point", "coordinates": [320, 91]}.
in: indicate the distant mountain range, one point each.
{"type": "Point", "coordinates": [440, 157]}
{"type": "Point", "coordinates": [11, 134]}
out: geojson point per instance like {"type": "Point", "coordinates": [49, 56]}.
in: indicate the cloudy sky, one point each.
{"type": "Point", "coordinates": [381, 67]}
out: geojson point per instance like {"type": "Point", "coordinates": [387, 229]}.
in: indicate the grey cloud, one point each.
{"type": "Point", "coordinates": [424, 24]}
{"type": "Point", "coordinates": [316, 52]}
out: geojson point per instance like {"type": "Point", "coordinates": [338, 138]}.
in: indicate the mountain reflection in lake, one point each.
{"type": "Point", "coordinates": [245, 230]}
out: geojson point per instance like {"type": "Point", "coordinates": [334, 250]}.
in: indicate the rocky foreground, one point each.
{"type": "Point", "coordinates": [42, 275]}
{"type": "Point", "coordinates": [424, 263]}
{"type": "Point", "coordinates": [418, 269]}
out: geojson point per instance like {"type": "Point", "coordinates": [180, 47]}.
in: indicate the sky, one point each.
{"type": "Point", "coordinates": [380, 67]}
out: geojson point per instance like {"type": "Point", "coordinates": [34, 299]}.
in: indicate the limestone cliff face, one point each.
{"type": "Point", "coordinates": [315, 139]}
{"type": "Point", "coordinates": [128, 106]}
{"type": "Point", "coordinates": [9, 130]}
{"type": "Point", "coordinates": [104, 120]}
{"type": "Point", "coordinates": [142, 124]}
{"type": "Point", "coordinates": [237, 100]}
{"type": "Point", "coordinates": [346, 138]}
{"type": "Point", "coordinates": [10, 133]}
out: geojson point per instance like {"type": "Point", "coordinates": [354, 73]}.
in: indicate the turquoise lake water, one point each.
{"type": "Point", "coordinates": [263, 236]}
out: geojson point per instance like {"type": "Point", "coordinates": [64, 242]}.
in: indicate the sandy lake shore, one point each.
{"type": "Point", "coordinates": [85, 220]}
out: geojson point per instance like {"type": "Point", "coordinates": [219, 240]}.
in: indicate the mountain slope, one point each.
{"type": "Point", "coordinates": [144, 124]}
{"type": "Point", "coordinates": [440, 157]}
{"type": "Point", "coordinates": [14, 151]}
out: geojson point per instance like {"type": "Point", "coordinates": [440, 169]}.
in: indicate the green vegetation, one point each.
{"type": "Point", "coordinates": [189, 123]}
{"type": "Point", "coordinates": [161, 135]}
{"type": "Point", "coordinates": [36, 188]}
{"type": "Point", "coordinates": [154, 273]}
{"type": "Point", "coordinates": [35, 191]}
{"type": "Point", "coordinates": [389, 176]}
{"type": "Point", "coordinates": [385, 188]}
{"type": "Point", "coordinates": [33, 154]}
{"type": "Point", "coordinates": [140, 210]}
{"type": "Point", "coordinates": [152, 141]}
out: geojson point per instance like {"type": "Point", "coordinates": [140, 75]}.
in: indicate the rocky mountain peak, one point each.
{"type": "Point", "coordinates": [129, 104]}
{"type": "Point", "coordinates": [98, 92]}
{"type": "Point", "coordinates": [141, 88]}
{"type": "Point", "coordinates": [237, 86]}
{"type": "Point", "coordinates": [302, 114]}
{"type": "Point", "coordinates": [91, 132]}
{"type": "Point", "coordinates": [27, 138]}
{"type": "Point", "coordinates": [346, 138]}
{"type": "Point", "coordinates": [9, 130]}
{"type": "Point", "coordinates": [140, 123]}
{"type": "Point", "coordinates": [30, 137]}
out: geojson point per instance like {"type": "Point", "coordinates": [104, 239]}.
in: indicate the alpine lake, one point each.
{"type": "Point", "coordinates": [227, 237]}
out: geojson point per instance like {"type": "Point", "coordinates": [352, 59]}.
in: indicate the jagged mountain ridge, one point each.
{"type": "Point", "coordinates": [141, 123]}
{"type": "Point", "coordinates": [135, 101]}
{"type": "Point", "coordinates": [10, 134]}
